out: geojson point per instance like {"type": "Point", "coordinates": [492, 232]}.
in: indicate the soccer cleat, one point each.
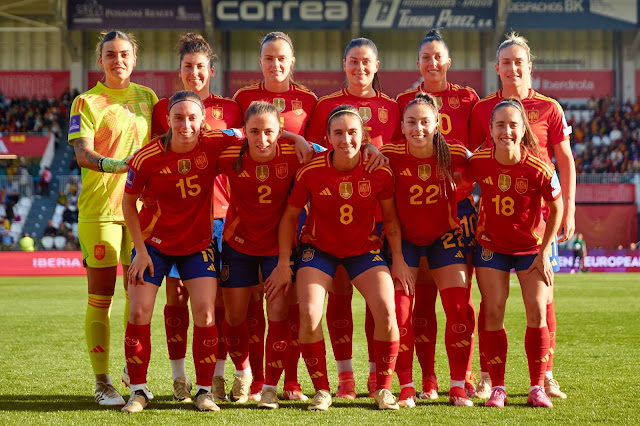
{"type": "Point", "coordinates": [459, 398]}
{"type": "Point", "coordinates": [204, 401]}
{"type": "Point", "coordinates": [321, 401]}
{"type": "Point", "coordinates": [182, 389]}
{"type": "Point", "coordinates": [240, 390]}
{"type": "Point", "coordinates": [552, 389]}
{"type": "Point", "coordinates": [218, 391]}
{"type": "Point", "coordinates": [538, 398]}
{"type": "Point", "coordinates": [106, 394]}
{"type": "Point", "coordinates": [429, 388]}
{"type": "Point", "coordinates": [293, 392]}
{"type": "Point", "coordinates": [386, 400]}
{"type": "Point", "coordinates": [372, 383]}
{"type": "Point", "coordinates": [255, 391]}
{"type": "Point", "coordinates": [269, 399]}
{"type": "Point", "coordinates": [483, 390]}
{"type": "Point", "coordinates": [498, 398]}
{"type": "Point", "coordinates": [407, 397]}
{"type": "Point", "coordinates": [346, 386]}
{"type": "Point", "coordinates": [137, 401]}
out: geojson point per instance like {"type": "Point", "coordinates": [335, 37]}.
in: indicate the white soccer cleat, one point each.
{"type": "Point", "coordinates": [106, 394]}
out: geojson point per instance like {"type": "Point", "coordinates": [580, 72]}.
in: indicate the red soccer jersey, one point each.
{"type": "Point", "coordinates": [421, 194]}
{"type": "Point", "coordinates": [260, 192]}
{"type": "Point", "coordinates": [341, 218]}
{"type": "Point", "coordinates": [219, 113]}
{"type": "Point", "coordinates": [380, 114]}
{"type": "Point", "coordinates": [510, 218]}
{"type": "Point", "coordinates": [295, 105]}
{"type": "Point", "coordinates": [545, 116]}
{"type": "Point", "coordinates": [177, 215]}
{"type": "Point", "coordinates": [456, 104]}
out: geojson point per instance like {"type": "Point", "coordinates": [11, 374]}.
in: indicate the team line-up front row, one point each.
{"type": "Point", "coordinates": [349, 215]}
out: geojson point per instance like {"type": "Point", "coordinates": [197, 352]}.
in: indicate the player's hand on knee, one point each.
{"type": "Point", "coordinates": [542, 264]}
{"type": "Point", "coordinates": [279, 280]}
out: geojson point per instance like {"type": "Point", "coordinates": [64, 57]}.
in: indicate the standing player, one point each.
{"type": "Point", "coordinates": [341, 229]}
{"type": "Point", "coordinates": [548, 123]}
{"type": "Point", "coordinates": [175, 178]}
{"type": "Point", "coordinates": [110, 121]}
{"type": "Point", "coordinates": [455, 104]}
{"type": "Point", "coordinates": [295, 104]}
{"type": "Point", "coordinates": [260, 171]}
{"type": "Point", "coordinates": [196, 69]}
{"type": "Point", "coordinates": [381, 116]}
{"type": "Point", "coordinates": [423, 166]}
{"type": "Point", "coordinates": [511, 233]}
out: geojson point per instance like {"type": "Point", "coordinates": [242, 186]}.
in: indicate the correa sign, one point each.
{"type": "Point", "coordinates": [143, 14]}
{"type": "Point", "coordinates": [573, 14]}
{"type": "Point", "coordinates": [279, 14]}
{"type": "Point", "coordinates": [425, 14]}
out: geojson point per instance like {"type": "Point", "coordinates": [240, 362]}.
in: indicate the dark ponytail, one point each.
{"type": "Point", "coordinates": [432, 35]}
{"type": "Point", "coordinates": [360, 42]}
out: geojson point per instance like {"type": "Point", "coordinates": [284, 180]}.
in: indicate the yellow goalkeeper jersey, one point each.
{"type": "Point", "coordinates": [119, 123]}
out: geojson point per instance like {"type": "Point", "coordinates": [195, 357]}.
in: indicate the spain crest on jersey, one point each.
{"type": "Point", "coordinates": [364, 188]}
{"type": "Point", "coordinates": [184, 166]}
{"type": "Point", "coordinates": [279, 103]}
{"type": "Point", "coordinates": [262, 172]}
{"type": "Point", "coordinates": [424, 171]}
{"type": "Point", "coordinates": [201, 161]}
{"type": "Point", "coordinates": [307, 255]}
{"type": "Point", "coordinates": [504, 182]}
{"type": "Point", "coordinates": [217, 113]}
{"type": "Point", "coordinates": [282, 170]}
{"type": "Point", "coordinates": [365, 113]}
{"type": "Point", "coordinates": [346, 190]}
{"type": "Point", "coordinates": [438, 100]}
{"type": "Point", "coordinates": [533, 116]}
{"type": "Point", "coordinates": [486, 254]}
{"type": "Point", "coordinates": [144, 107]}
{"type": "Point", "coordinates": [454, 102]}
{"type": "Point", "coordinates": [296, 107]}
{"type": "Point", "coordinates": [522, 185]}
{"type": "Point", "coordinates": [130, 110]}
{"type": "Point", "coordinates": [383, 115]}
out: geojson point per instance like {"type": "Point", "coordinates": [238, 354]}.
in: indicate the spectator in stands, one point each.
{"type": "Point", "coordinates": [45, 179]}
{"type": "Point", "coordinates": [69, 215]}
{"type": "Point", "coordinates": [50, 230]}
{"type": "Point", "coordinates": [579, 252]}
{"type": "Point", "coordinates": [27, 243]}
{"type": "Point", "coordinates": [633, 246]}
{"type": "Point", "coordinates": [7, 240]}
{"type": "Point", "coordinates": [5, 222]}
{"type": "Point", "coordinates": [72, 242]}
{"type": "Point", "coordinates": [62, 198]}
{"type": "Point", "coordinates": [72, 196]}
{"type": "Point", "coordinates": [73, 166]}
{"type": "Point", "coordinates": [63, 229]}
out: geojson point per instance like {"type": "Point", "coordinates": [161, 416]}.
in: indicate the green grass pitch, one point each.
{"type": "Point", "coordinates": [45, 375]}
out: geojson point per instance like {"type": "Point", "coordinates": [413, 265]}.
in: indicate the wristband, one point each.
{"type": "Point", "coordinates": [100, 164]}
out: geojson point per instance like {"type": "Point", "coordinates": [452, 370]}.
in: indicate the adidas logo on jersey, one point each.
{"type": "Point", "coordinates": [459, 254]}
{"type": "Point", "coordinates": [244, 174]}
{"type": "Point", "coordinates": [377, 258]}
{"type": "Point", "coordinates": [406, 172]}
{"type": "Point", "coordinates": [211, 267]}
{"type": "Point", "coordinates": [325, 192]}
{"type": "Point", "coordinates": [165, 171]}
{"type": "Point", "coordinates": [488, 181]}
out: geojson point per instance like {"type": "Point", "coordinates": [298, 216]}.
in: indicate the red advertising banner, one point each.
{"type": "Point", "coordinates": [22, 145]}
{"type": "Point", "coordinates": [36, 263]}
{"type": "Point", "coordinates": [163, 83]}
{"type": "Point", "coordinates": [606, 193]}
{"type": "Point", "coordinates": [573, 83]}
{"type": "Point", "coordinates": [607, 225]}
{"type": "Point", "coordinates": [30, 84]}
{"type": "Point", "coordinates": [326, 82]}
{"type": "Point", "coordinates": [602, 261]}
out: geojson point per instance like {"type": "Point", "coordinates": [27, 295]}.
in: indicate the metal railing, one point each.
{"type": "Point", "coordinates": [608, 178]}
{"type": "Point", "coordinates": [22, 184]}
{"type": "Point", "coordinates": [67, 182]}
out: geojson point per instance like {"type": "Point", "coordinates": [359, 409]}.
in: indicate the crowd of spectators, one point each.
{"type": "Point", "coordinates": [608, 140]}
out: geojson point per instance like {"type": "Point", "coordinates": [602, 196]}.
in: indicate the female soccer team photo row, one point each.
{"type": "Point", "coordinates": [278, 199]}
